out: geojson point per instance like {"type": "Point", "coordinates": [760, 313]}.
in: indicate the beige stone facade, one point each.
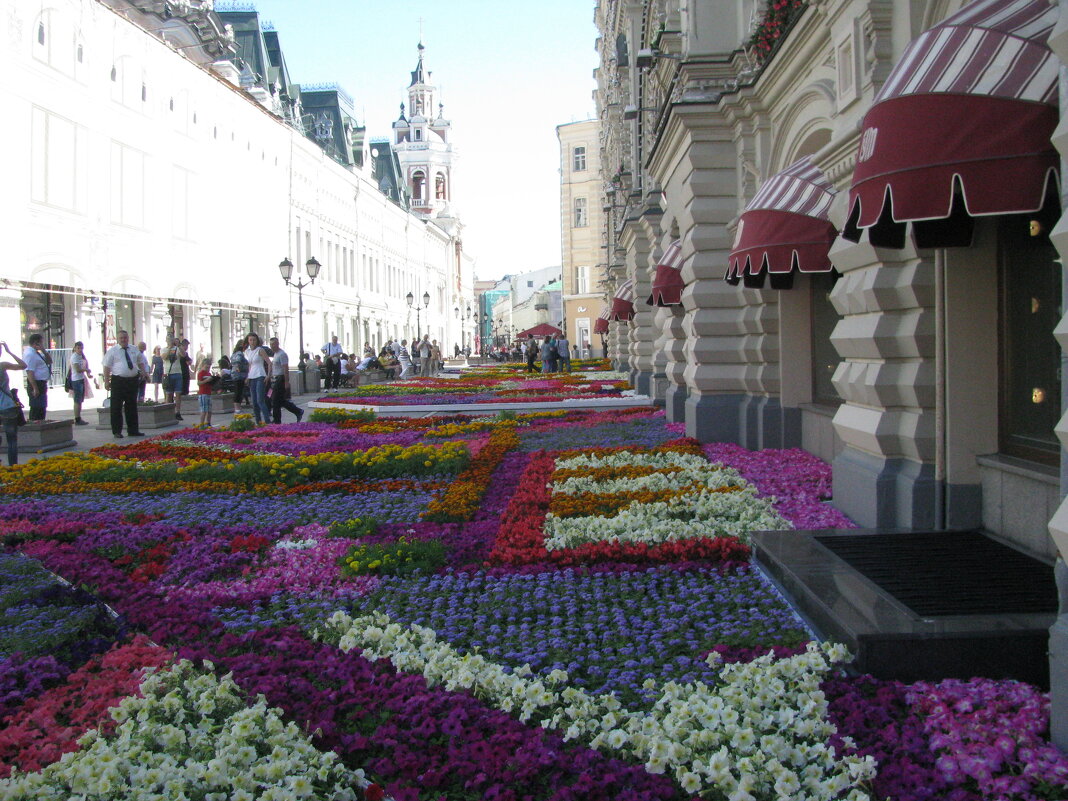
{"type": "Point", "coordinates": [898, 366]}
{"type": "Point", "coordinates": [582, 232]}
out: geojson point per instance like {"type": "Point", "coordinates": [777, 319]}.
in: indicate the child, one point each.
{"type": "Point", "coordinates": [205, 381]}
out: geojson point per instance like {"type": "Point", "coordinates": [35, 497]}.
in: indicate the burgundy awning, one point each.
{"type": "Point", "coordinates": [785, 228]}
{"type": "Point", "coordinates": [962, 127]}
{"type": "Point", "coordinates": [600, 325]}
{"type": "Point", "coordinates": [623, 302]}
{"type": "Point", "coordinates": [540, 330]}
{"type": "Point", "coordinates": [667, 283]}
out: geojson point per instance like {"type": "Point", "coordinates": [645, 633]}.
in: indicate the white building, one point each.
{"type": "Point", "coordinates": [163, 181]}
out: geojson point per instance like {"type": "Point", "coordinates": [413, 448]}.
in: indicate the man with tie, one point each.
{"type": "Point", "coordinates": [122, 377]}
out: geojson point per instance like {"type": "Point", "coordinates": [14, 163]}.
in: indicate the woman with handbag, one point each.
{"type": "Point", "coordinates": [77, 380]}
{"type": "Point", "coordinates": [9, 405]}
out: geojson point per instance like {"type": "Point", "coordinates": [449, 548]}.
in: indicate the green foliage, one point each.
{"type": "Point", "coordinates": [398, 558]}
{"type": "Point", "coordinates": [341, 416]}
{"type": "Point", "coordinates": [355, 528]}
{"type": "Point", "coordinates": [242, 422]}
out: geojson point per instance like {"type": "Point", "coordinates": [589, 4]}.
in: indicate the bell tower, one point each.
{"type": "Point", "coordinates": [422, 141]}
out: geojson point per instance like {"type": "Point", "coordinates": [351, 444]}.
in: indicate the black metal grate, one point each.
{"type": "Point", "coordinates": [949, 573]}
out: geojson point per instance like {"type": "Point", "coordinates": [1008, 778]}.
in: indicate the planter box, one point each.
{"type": "Point", "coordinates": [41, 436]}
{"type": "Point", "coordinates": [221, 403]}
{"type": "Point", "coordinates": [155, 415]}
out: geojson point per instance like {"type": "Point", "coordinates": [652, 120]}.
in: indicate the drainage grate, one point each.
{"type": "Point", "coordinates": [949, 573]}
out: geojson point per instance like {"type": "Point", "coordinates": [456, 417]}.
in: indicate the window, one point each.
{"type": "Point", "coordinates": [578, 158]}
{"type": "Point", "coordinates": [180, 211]}
{"type": "Point", "coordinates": [418, 185]}
{"type": "Point", "coordinates": [127, 186]}
{"type": "Point", "coordinates": [581, 220]}
{"type": "Point", "coordinates": [824, 356]}
{"type": "Point", "coordinates": [57, 158]}
{"type": "Point", "coordinates": [439, 187]}
{"type": "Point", "coordinates": [1029, 289]}
{"type": "Point", "coordinates": [418, 134]}
{"type": "Point", "coordinates": [582, 280]}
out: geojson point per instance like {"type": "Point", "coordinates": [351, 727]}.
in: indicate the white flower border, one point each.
{"type": "Point", "coordinates": [760, 734]}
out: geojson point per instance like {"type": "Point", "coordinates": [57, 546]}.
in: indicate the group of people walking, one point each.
{"type": "Point", "coordinates": [555, 353]}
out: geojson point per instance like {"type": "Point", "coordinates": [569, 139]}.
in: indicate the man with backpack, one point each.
{"type": "Point", "coordinates": [563, 351]}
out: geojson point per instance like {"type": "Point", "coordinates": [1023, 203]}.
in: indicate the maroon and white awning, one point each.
{"type": "Point", "coordinates": [962, 126]}
{"type": "Point", "coordinates": [600, 325]}
{"type": "Point", "coordinates": [667, 282]}
{"type": "Point", "coordinates": [785, 228]}
{"type": "Point", "coordinates": [623, 302]}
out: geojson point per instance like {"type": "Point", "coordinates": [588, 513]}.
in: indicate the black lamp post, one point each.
{"type": "Point", "coordinates": [285, 267]}
{"type": "Point", "coordinates": [426, 302]}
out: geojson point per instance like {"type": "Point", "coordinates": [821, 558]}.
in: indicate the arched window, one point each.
{"type": "Point", "coordinates": [418, 185]}
{"type": "Point", "coordinates": [439, 187]}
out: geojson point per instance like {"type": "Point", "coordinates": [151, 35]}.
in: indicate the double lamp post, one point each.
{"type": "Point", "coordinates": [426, 302]}
{"type": "Point", "coordinates": [285, 267]}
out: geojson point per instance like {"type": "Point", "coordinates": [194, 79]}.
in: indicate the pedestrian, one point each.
{"type": "Point", "coordinates": [280, 390]}
{"type": "Point", "coordinates": [9, 405]}
{"type": "Point", "coordinates": [532, 353]}
{"type": "Point", "coordinates": [435, 358]}
{"type": "Point", "coordinates": [38, 371]}
{"type": "Point", "coordinates": [332, 351]}
{"type": "Point", "coordinates": [546, 355]}
{"type": "Point", "coordinates": [146, 370]}
{"type": "Point", "coordinates": [405, 360]}
{"type": "Point", "coordinates": [563, 353]}
{"type": "Point", "coordinates": [122, 376]}
{"type": "Point", "coordinates": [343, 380]}
{"type": "Point", "coordinates": [172, 379]}
{"type": "Point", "coordinates": [79, 374]}
{"type": "Point", "coordinates": [239, 372]}
{"type": "Point", "coordinates": [187, 367]}
{"type": "Point", "coordinates": [259, 370]}
{"type": "Point", "coordinates": [157, 372]}
{"type": "Point", "coordinates": [205, 384]}
{"type": "Point", "coordinates": [425, 368]}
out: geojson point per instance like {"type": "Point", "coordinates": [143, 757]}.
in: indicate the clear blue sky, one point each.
{"type": "Point", "coordinates": [508, 73]}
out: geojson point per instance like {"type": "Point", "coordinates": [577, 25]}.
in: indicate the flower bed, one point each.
{"type": "Point", "coordinates": [555, 605]}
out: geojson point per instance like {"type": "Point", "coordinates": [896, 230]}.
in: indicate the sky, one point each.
{"type": "Point", "coordinates": [508, 73]}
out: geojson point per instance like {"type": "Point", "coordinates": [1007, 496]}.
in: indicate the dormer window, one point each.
{"type": "Point", "coordinates": [418, 134]}
{"type": "Point", "coordinates": [40, 33]}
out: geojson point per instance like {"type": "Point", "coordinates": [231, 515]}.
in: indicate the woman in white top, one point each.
{"type": "Point", "coordinates": [259, 370]}
{"type": "Point", "coordinates": [79, 372]}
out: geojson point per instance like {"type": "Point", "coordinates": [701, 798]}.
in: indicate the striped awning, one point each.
{"type": "Point", "coordinates": [785, 228]}
{"type": "Point", "coordinates": [600, 325]}
{"type": "Point", "coordinates": [667, 282]}
{"type": "Point", "coordinates": [961, 128]}
{"type": "Point", "coordinates": [623, 302]}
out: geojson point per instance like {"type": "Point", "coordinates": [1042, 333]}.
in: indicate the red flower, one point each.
{"type": "Point", "coordinates": [374, 793]}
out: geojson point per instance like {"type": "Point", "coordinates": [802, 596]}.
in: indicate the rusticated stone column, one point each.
{"type": "Point", "coordinates": [702, 186]}
{"type": "Point", "coordinates": [1058, 526]}
{"type": "Point", "coordinates": [638, 240]}
{"type": "Point", "coordinates": [885, 475]}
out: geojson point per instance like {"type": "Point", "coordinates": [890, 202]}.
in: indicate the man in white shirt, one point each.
{"type": "Point", "coordinates": [332, 352]}
{"type": "Point", "coordinates": [122, 376]}
{"type": "Point", "coordinates": [38, 371]}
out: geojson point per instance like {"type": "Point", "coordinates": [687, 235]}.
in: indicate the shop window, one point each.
{"type": "Point", "coordinates": [1029, 294]}
{"type": "Point", "coordinates": [824, 356]}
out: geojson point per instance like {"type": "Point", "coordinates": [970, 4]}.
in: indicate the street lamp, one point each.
{"type": "Point", "coordinates": [426, 302]}
{"type": "Point", "coordinates": [285, 267]}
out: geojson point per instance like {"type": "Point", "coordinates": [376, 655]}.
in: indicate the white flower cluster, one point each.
{"type": "Point", "coordinates": [761, 734]}
{"type": "Point", "coordinates": [698, 511]}
{"type": "Point", "coordinates": [191, 736]}
{"type": "Point", "coordinates": [295, 545]}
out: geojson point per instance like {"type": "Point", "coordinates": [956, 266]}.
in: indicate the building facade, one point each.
{"type": "Point", "coordinates": [583, 236]}
{"type": "Point", "coordinates": [836, 225]}
{"type": "Point", "coordinates": [166, 177]}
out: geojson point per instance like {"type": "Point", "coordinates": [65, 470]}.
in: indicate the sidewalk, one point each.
{"type": "Point", "coordinates": [61, 407]}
